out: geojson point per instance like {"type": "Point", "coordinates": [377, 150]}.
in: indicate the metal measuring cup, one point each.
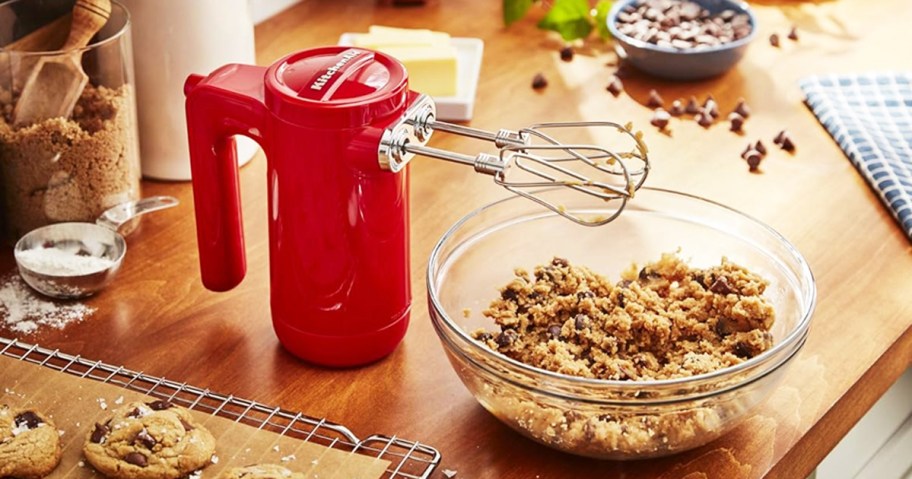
{"type": "Point", "coordinates": [79, 259]}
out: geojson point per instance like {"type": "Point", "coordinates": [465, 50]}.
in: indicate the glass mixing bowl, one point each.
{"type": "Point", "coordinates": [612, 419]}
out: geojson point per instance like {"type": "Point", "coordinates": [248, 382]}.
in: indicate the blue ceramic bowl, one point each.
{"type": "Point", "coordinates": [678, 64]}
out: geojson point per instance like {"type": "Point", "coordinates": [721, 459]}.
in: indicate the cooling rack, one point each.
{"type": "Point", "coordinates": [408, 459]}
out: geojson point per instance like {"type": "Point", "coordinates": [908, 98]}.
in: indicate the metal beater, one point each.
{"type": "Point", "coordinates": [528, 159]}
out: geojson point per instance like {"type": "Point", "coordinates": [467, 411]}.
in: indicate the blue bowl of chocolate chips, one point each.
{"type": "Point", "coordinates": [682, 39]}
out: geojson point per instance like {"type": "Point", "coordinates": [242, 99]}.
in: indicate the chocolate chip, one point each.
{"type": "Point", "coordinates": [747, 150]}
{"type": "Point", "coordinates": [566, 54]}
{"type": "Point", "coordinates": [143, 438]}
{"type": "Point", "coordinates": [654, 100]}
{"type": "Point", "coordinates": [621, 300]}
{"type": "Point", "coordinates": [779, 137]}
{"type": "Point", "coordinates": [721, 286]}
{"type": "Point", "coordinates": [509, 295]}
{"type": "Point", "coordinates": [704, 119]}
{"type": "Point", "coordinates": [539, 81]}
{"type": "Point", "coordinates": [681, 24]}
{"type": "Point", "coordinates": [580, 322]}
{"type": "Point", "coordinates": [753, 160]}
{"type": "Point", "coordinates": [692, 107]}
{"type": "Point", "coordinates": [793, 34]}
{"type": "Point", "coordinates": [742, 109]}
{"type": "Point", "coordinates": [483, 337]}
{"type": "Point", "coordinates": [160, 405]}
{"type": "Point", "coordinates": [711, 109]}
{"type": "Point", "coordinates": [616, 86]}
{"type": "Point", "coordinates": [99, 433]}
{"type": "Point", "coordinates": [710, 100]}
{"type": "Point", "coordinates": [137, 459]}
{"type": "Point", "coordinates": [624, 283]}
{"type": "Point", "coordinates": [774, 40]}
{"type": "Point", "coordinates": [724, 327]}
{"type": "Point", "coordinates": [737, 122]}
{"type": "Point", "coordinates": [760, 147]}
{"type": "Point", "coordinates": [677, 109]}
{"type": "Point", "coordinates": [134, 413]}
{"type": "Point", "coordinates": [742, 350]}
{"type": "Point", "coordinates": [505, 338]}
{"type": "Point", "coordinates": [585, 294]}
{"type": "Point", "coordinates": [660, 119]}
{"type": "Point", "coordinates": [555, 331]}
{"type": "Point", "coordinates": [787, 145]}
{"type": "Point", "coordinates": [28, 419]}
{"type": "Point", "coordinates": [561, 262]}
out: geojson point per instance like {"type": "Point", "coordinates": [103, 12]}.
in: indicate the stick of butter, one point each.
{"type": "Point", "coordinates": [428, 56]}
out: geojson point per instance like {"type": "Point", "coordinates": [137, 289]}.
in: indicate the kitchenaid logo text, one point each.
{"type": "Point", "coordinates": [320, 82]}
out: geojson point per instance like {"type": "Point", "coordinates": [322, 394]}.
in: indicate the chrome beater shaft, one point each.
{"type": "Point", "coordinates": [528, 159]}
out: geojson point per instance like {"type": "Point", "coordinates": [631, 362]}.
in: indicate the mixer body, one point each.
{"type": "Point", "coordinates": [338, 223]}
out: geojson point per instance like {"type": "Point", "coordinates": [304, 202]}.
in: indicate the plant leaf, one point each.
{"type": "Point", "coordinates": [513, 10]}
{"type": "Point", "coordinates": [570, 18]}
{"type": "Point", "coordinates": [601, 18]}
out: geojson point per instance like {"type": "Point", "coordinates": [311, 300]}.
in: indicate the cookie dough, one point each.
{"type": "Point", "coordinates": [154, 440]}
{"type": "Point", "coordinates": [260, 471]}
{"type": "Point", "coordinates": [665, 320]}
{"type": "Point", "coordinates": [29, 444]}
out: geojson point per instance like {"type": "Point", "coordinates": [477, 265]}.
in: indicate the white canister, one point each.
{"type": "Point", "coordinates": [171, 40]}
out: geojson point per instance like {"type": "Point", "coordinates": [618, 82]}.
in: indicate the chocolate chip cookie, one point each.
{"type": "Point", "coordinates": [154, 440]}
{"type": "Point", "coordinates": [260, 471]}
{"type": "Point", "coordinates": [29, 444]}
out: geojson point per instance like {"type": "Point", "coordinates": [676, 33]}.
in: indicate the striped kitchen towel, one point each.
{"type": "Point", "coordinates": [870, 116]}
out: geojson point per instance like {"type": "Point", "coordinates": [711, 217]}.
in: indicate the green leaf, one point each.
{"type": "Point", "coordinates": [570, 18]}
{"type": "Point", "coordinates": [513, 10]}
{"type": "Point", "coordinates": [601, 18]}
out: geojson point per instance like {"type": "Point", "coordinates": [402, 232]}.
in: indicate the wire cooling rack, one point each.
{"type": "Point", "coordinates": [408, 459]}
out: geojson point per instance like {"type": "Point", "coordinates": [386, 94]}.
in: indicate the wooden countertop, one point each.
{"type": "Point", "coordinates": [159, 319]}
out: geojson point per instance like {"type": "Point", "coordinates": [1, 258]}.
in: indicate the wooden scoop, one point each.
{"type": "Point", "coordinates": [54, 85]}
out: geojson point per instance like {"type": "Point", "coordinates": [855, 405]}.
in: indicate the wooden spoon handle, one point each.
{"type": "Point", "coordinates": [88, 17]}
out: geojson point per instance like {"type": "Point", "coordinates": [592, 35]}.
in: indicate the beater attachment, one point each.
{"type": "Point", "coordinates": [532, 158]}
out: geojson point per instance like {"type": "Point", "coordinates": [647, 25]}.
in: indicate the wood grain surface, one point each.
{"type": "Point", "coordinates": [158, 318]}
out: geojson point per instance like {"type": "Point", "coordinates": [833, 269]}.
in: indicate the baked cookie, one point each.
{"type": "Point", "coordinates": [29, 444]}
{"type": "Point", "coordinates": [154, 440]}
{"type": "Point", "coordinates": [260, 471]}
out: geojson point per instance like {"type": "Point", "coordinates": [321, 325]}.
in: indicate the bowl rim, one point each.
{"type": "Point", "coordinates": [743, 7]}
{"type": "Point", "coordinates": [798, 334]}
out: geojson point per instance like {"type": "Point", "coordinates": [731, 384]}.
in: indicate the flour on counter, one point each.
{"type": "Point", "coordinates": [23, 311]}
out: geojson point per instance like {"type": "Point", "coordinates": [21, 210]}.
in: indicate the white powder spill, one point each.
{"type": "Point", "coordinates": [24, 311]}
{"type": "Point", "coordinates": [55, 261]}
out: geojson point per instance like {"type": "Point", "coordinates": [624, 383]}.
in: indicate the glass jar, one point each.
{"type": "Point", "coordinates": [66, 169]}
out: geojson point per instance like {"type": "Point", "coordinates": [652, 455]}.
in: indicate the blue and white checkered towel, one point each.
{"type": "Point", "coordinates": [870, 116]}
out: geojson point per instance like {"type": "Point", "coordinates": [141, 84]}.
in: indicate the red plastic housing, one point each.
{"type": "Point", "coordinates": [338, 224]}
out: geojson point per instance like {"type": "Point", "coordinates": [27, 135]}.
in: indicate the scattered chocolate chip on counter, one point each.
{"type": "Point", "coordinates": [784, 140]}
{"type": "Point", "coordinates": [660, 119]}
{"type": "Point", "coordinates": [539, 81]}
{"type": "Point", "coordinates": [566, 54]}
{"type": "Point", "coordinates": [677, 109]}
{"type": "Point", "coordinates": [655, 101]}
{"type": "Point", "coordinates": [616, 86]}
{"type": "Point", "coordinates": [774, 40]}
{"type": "Point", "coordinates": [793, 34]}
{"type": "Point", "coordinates": [759, 146]}
{"type": "Point", "coordinates": [737, 122]}
{"type": "Point", "coordinates": [742, 109]}
{"type": "Point", "coordinates": [704, 119]}
{"type": "Point", "coordinates": [692, 106]}
{"type": "Point", "coordinates": [681, 25]}
{"type": "Point", "coordinates": [753, 158]}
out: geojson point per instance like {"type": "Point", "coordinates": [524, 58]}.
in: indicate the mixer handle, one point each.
{"type": "Point", "coordinates": [218, 107]}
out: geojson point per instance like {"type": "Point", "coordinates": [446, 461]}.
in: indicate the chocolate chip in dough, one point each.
{"type": "Point", "coordinates": [539, 81]}
{"type": "Point", "coordinates": [555, 331]}
{"type": "Point", "coordinates": [721, 286]}
{"type": "Point", "coordinates": [160, 405]}
{"type": "Point", "coordinates": [566, 54]}
{"type": "Point", "coordinates": [99, 433]}
{"type": "Point", "coordinates": [137, 459]}
{"type": "Point", "coordinates": [28, 419]}
{"type": "Point", "coordinates": [561, 262]}
{"type": "Point", "coordinates": [145, 439]}
{"type": "Point", "coordinates": [505, 338]}
{"type": "Point", "coordinates": [585, 294]}
{"type": "Point", "coordinates": [580, 322]}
